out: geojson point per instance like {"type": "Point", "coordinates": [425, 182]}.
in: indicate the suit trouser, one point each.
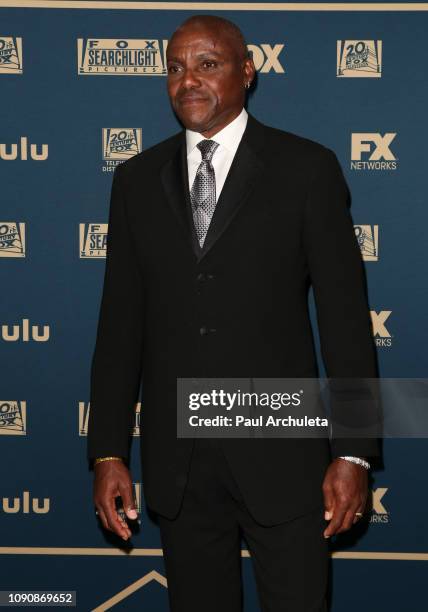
{"type": "Point", "coordinates": [202, 547]}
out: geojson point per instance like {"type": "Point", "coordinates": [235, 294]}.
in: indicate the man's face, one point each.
{"type": "Point", "coordinates": [206, 79]}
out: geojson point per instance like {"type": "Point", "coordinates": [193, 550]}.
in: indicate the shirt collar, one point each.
{"type": "Point", "coordinates": [228, 137]}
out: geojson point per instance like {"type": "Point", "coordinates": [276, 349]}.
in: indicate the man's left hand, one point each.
{"type": "Point", "coordinates": [345, 493]}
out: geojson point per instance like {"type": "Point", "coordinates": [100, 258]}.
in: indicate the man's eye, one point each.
{"type": "Point", "coordinates": [172, 68]}
{"type": "Point", "coordinates": [209, 63]}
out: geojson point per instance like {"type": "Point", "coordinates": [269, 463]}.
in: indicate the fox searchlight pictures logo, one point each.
{"type": "Point", "coordinates": [119, 144]}
{"type": "Point", "coordinates": [93, 240]}
{"type": "Point", "coordinates": [10, 55]}
{"type": "Point", "coordinates": [121, 57]}
{"type": "Point", "coordinates": [359, 58]}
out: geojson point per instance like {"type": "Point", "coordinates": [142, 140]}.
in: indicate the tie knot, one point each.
{"type": "Point", "coordinates": [207, 148]}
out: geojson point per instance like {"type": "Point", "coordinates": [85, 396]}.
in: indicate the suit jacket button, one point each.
{"type": "Point", "coordinates": [201, 277]}
{"type": "Point", "coordinates": [203, 331]}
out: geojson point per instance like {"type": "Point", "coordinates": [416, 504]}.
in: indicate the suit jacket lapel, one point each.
{"type": "Point", "coordinates": [243, 175]}
{"type": "Point", "coordinates": [175, 183]}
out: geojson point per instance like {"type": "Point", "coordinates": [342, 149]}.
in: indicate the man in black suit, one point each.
{"type": "Point", "coordinates": [215, 236]}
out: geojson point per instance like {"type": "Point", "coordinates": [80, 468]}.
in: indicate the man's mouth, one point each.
{"type": "Point", "coordinates": [191, 100]}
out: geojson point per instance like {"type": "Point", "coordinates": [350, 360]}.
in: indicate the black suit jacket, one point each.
{"type": "Point", "coordinates": [236, 308]}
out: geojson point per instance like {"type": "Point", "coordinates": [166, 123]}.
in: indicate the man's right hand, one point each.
{"type": "Point", "coordinates": [113, 479]}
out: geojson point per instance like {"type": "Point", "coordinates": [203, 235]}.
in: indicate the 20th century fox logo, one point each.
{"type": "Point", "coordinates": [12, 239]}
{"type": "Point", "coordinates": [368, 240]}
{"type": "Point", "coordinates": [13, 418]}
{"type": "Point", "coordinates": [359, 58]}
{"type": "Point", "coordinates": [122, 57]}
{"type": "Point", "coordinates": [119, 144]}
{"type": "Point", "coordinates": [10, 55]}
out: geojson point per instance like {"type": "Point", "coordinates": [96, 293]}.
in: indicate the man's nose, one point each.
{"type": "Point", "coordinates": [190, 79]}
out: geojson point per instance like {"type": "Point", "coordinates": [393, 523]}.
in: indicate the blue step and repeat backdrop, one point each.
{"type": "Point", "coordinates": [352, 76]}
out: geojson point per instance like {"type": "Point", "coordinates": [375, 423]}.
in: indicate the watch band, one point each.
{"type": "Point", "coordinates": [357, 460]}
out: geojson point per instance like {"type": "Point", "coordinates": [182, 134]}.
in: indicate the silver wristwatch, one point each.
{"type": "Point", "coordinates": [358, 460]}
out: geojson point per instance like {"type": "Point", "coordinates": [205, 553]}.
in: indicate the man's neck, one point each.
{"type": "Point", "coordinates": [215, 130]}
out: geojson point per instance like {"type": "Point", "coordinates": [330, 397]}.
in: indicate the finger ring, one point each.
{"type": "Point", "coordinates": [358, 514]}
{"type": "Point", "coordinates": [96, 512]}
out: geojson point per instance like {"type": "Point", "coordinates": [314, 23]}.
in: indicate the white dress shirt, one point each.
{"type": "Point", "coordinates": [228, 138]}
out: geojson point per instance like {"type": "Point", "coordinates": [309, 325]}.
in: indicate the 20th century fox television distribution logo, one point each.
{"type": "Point", "coordinates": [10, 55]}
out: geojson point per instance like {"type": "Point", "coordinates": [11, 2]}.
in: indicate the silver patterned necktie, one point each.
{"type": "Point", "coordinates": [203, 193]}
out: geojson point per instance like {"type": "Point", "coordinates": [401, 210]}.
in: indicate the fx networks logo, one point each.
{"type": "Point", "coordinates": [266, 57]}
{"type": "Point", "coordinates": [376, 504]}
{"type": "Point", "coordinates": [359, 58]}
{"type": "Point", "coordinates": [119, 144]}
{"type": "Point", "coordinates": [84, 408]}
{"type": "Point", "coordinates": [92, 240]}
{"type": "Point", "coordinates": [24, 333]}
{"type": "Point", "coordinates": [368, 241]}
{"type": "Point", "coordinates": [12, 239]}
{"type": "Point", "coordinates": [13, 418]}
{"type": "Point", "coordinates": [380, 332]}
{"type": "Point", "coordinates": [26, 505]}
{"type": "Point", "coordinates": [10, 55]}
{"type": "Point", "coordinates": [23, 152]}
{"type": "Point", "coordinates": [376, 149]}
{"type": "Point", "coordinates": [121, 57]}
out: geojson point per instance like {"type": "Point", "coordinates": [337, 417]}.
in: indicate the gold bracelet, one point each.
{"type": "Point", "coordinates": [100, 459]}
